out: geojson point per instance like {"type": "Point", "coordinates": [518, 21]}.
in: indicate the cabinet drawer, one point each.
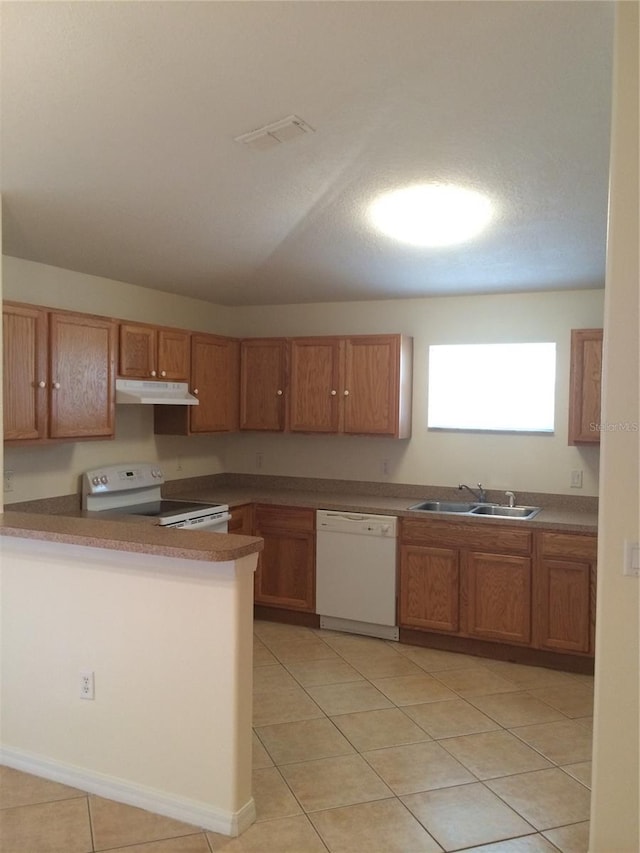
{"type": "Point", "coordinates": [480, 537]}
{"type": "Point", "coordinates": [284, 518]}
{"type": "Point", "coordinates": [570, 545]}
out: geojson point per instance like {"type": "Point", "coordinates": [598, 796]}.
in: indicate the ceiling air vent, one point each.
{"type": "Point", "coordinates": [273, 134]}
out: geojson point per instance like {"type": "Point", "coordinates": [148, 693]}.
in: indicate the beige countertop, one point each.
{"type": "Point", "coordinates": [127, 535]}
{"type": "Point", "coordinates": [552, 518]}
{"type": "Point", "coordinates": [60, 519]}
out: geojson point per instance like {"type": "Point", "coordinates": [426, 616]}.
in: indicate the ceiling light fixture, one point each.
{"type": "Point", "coordinates": [431, 214]}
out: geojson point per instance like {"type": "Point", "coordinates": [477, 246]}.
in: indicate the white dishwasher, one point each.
{"type": "Point", "coordinates": [356, 573]}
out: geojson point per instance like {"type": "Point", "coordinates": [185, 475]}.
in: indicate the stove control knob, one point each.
{"type": "Point", "coordinates": [104, 479]}
{"type": "Point", "coordinates": [95, 481]}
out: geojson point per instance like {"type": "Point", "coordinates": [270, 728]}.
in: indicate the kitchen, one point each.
{"type": "Point", "coordinates": [446, 460]}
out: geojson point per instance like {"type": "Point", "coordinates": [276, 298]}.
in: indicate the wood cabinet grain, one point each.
{"type": "Point", "coordinates": [82, 359]}
{"type": "Point", "coordinates": [358, 385]}
{"type": "Point", "coordinates": [585, 386]}
{"type": "Point", "coordinates": [430, 588]}
{"type": "Point", "coordinates": [565, 593]}
{"type": "Point", "coordinates": [263, 383]}
{"type": "Point", "coordinates": [241, 521]}
{"type": "Point", "coordinates": [150, 352]}
{"type": "Point", "coordinates": [499, 597]}
{"type": "Point", "coordinates": [214, 381]}
{"type": "Point", "coordinates": [59, 374]}
{"type": "Point", "coordinates": [499, 584]}
{"type": "Point", "coordinates": [285, 576]}
{"type": "Point", "coordinates": [25, 372]}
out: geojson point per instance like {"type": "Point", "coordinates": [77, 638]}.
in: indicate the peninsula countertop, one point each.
{"type": "Point", "coordinates": [133, 536]}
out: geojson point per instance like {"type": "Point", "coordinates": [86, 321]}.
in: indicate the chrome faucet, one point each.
{"type": "Point", "coordinates": [480, 495]}
{"type": "Point", "coordinates": [512, 498]}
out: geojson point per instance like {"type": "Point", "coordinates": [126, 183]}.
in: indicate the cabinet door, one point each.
{"type": "Point", "coordinates": [82, 375]}
{"type": "Point", "coordinates": [585, 386]}
{"type": "Point", "coordinates": [285, 576]}
{"type": "Point", "coordinates": [24, 372]}
{"type": "Point", "coordinates": [429, 588]}
{"type": "Point", "coordinates": [564, 605]}
{"type": "Point", "coordinates": [314, 384]}
{"type": "Point", "coordinates": [241, 521]}
{"type": "Point", "coordinates": [174, 355]}
{"type": "Point", "coordinates": [499, 597]}
{"type": "Point", "coordinates": [137, 351]}
{"type": "Point", "coordinates": [371, 390]}
{"type": "Point", "coordinates": [214, 381]}
{"type": "Point", "coordinates": [262, 384]}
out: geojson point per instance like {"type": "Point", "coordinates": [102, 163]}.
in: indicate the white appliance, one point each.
{"type": "Point", "coordinates": [134, 489]}
{"type": "Point", "coordinates": [154, 392]}
{"type": "Point", "coordinates": [356, 573]}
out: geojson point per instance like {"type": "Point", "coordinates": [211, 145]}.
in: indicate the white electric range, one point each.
{"type": "Point", "coordinates": [135, 489]}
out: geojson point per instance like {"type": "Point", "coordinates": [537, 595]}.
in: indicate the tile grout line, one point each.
{"type": "Point", "coordinates": [518, 689]}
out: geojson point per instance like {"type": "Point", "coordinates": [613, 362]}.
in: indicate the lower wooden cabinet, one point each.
{"type": "Point", "coordinates": [499, 597]}
{"type": "Point", "coordinates": [565, 599]}
{"type": "Point", "coordinates": [241, 520]}
{"type": "Point", "coordinates": [430, 588]}
{"type": "Point", "coordinates": [285, 576]}
{"type": "Point", "coordinates": [508, 585]}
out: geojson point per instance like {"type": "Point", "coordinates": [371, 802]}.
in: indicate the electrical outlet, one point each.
{"type": "Point", "coordinates": [8, 481]}
{"type": "Point", "coordinates": [259, 460]}
{"type": "Point", "coordinates": [179, 463]}
{"type": "Point", "coordinates": [576, 479]}
{"type": "Point", "coordinates": [87, 685]}
{"type": "Point", "coordinates": [386, 467]}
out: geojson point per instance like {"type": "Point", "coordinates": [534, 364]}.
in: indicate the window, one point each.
{"type": "Point", "coordinates": [505, 387]}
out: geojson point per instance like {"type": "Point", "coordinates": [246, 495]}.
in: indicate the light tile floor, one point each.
{"type": "Point", "coordinates": [366, 746]}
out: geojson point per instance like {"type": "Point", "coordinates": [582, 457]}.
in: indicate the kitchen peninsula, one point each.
{"type": "Point", "coordinates": [160, 622]}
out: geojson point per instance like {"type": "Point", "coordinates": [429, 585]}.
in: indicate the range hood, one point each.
{"type": "Point", "coordinates": [143, 392]}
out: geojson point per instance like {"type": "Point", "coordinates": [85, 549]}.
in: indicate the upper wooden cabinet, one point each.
{"type": "Point", "coordinates": [148, 352]}
{"type": "Point", "coordinates": [214, 381]}
{"type": "Point", "coordinates": [263, 363]}
{"type": "Point", "coordinates": [585, 386]}
{"type": "Point", "coordinates": [25, 372]}
{"type": "Point", "coordinates": [377, 385]}
{"type": "Point", "coordinates": [59, 374]}
{"type": "Point", "coordinates": [315, 388]}
{"type": "Point", "coordinates": [356, 385]}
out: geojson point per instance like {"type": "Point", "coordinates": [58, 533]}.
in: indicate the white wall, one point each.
{"type": "Point", "coordinates": [525, 463]}
{"type": "Point", "coordinates": [169, 642]}
{"type": "Point", "coordinates": [616, 797]}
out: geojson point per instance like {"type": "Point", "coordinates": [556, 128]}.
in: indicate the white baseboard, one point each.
{"type": "Point", "coordinates": [194, 812]}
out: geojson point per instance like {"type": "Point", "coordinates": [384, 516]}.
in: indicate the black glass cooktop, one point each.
{"type": "Point", "coordinates": [155, 509]}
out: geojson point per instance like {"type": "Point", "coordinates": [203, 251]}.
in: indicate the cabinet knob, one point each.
{"type": "Point", "coordinates": [163, 373]}
{"type": "Point", "coordinates": [346, 393]}
{"type": "Point", "coordinates": [153, 373]}
{"type": "Point", "coordinates": [42, 384]}
{"type": "Point", "coordinates": [333, 393]}
{"type": "Point", "coordinates": [56, 385]}
{"type": "Point", "coordinates": [195, 391]}
{"type": "Point", "coordinates": [279, 392]}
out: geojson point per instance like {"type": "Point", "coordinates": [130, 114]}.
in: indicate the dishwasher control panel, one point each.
{"type": "Point", "coordinates": [358, 523]}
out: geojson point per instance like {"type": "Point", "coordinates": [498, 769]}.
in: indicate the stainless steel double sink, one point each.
{"type": "Point", "coordinates": [477, 509]}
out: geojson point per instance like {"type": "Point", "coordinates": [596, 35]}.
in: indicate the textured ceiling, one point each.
{"type": "Point", "coordinates": [118, 159]}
